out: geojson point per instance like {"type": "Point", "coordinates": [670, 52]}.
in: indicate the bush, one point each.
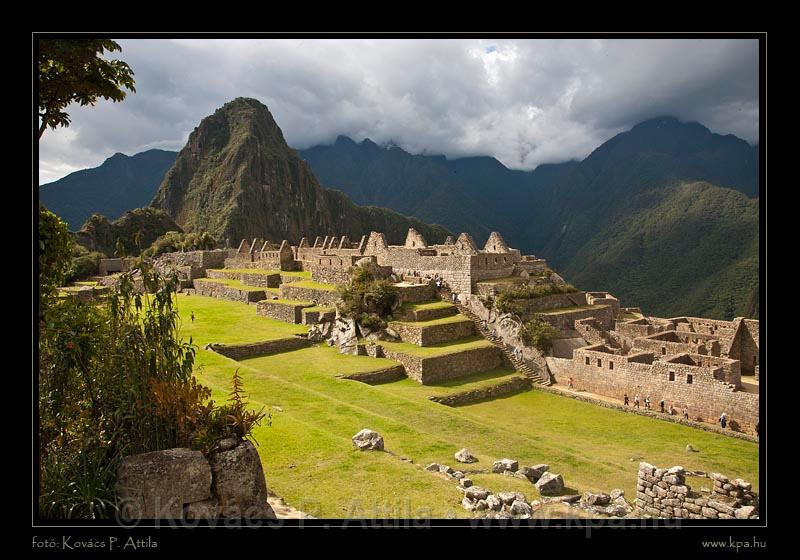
{"type": "Point", "coordinates": [539, 334]}
{"type": "Point", "coordinates": [84, 265]}
{"type": "Point", "coordinates": [368, 298]}
{"type": "Point", "coordinates": [506, 301]}
{"type": "Point", "coordinates": [54, 253]}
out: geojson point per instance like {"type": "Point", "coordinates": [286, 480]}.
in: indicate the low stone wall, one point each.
{"type": "Point", "coordinates": [221, 291]}
{"type": "Point", "coordinates": [435, 369]}
{"type": "Point", "coordinates": [248, 278]}
{"type": "Point", "coordinates": [263, 348]}
{"type": "Point", "coordinates": [428, 335]}
{"type": "Point", "coordinates": [376, 377]}
{"type": "Point", "coordinates": [664, 493]}
{"type": "Point", "coordinates": [557, 301]}
{"type": "Point", "coordinates": [425, 314]}
{"type": "Point", "coordinates": [289, 312]}
{"type": "Point", "coordinates": [516, 384]}
{"type": "Point", "coordinates": [312, 317]}
{"type": "Point", "coordinates": [327, 298]}
{"type": "Point", "coordinates": [416, 293]}
{"type": "Point", "coordinates": [602, 314]}
{"type": "Point", "coordinates": [184, 484]}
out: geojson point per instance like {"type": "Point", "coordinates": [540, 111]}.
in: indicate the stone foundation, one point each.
{"type": "Point", "coordinates": [264, 348]}
{"type": "Point", "coordinates": [663, 493]}
{"type": "Point", "coordinates": [213, 289]}
{"type": "Point", "coordinates": [327, 298]}
{"type": "Point", "coordinates": [248, 278]}
{"type": "Point", "coordinates": [435, 369]}
{"type": "Point", "coordinates": [312, 316]}
{"type": "Point", "coordinates": [425, 314]}
{"type": "Point", "coordinates": [283, 310]}
{"type": "Point", "coordinates": [376, 377]}
{"type": "Point", "coordinates": [516, 384]}
{"type": "Point", "coordinates": [428, 335]}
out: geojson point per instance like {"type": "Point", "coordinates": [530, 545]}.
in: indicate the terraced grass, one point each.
{"type": "Point", "coordinates": [561, 310]}
{"type": "Point", "coordinates": [443, 321]}
{"type": "Point", "coordinates": [441, 349]}
{"type": "Point", "coordinates": [246, 271]}
{"type": "Point", "coordinates": [309, 459]}
{"type": "Point", "coordinates": [320, 309]}
{"type": "Point", "coordinates": [311, 284]}
{"type": "Point", "coordinates": [409, 388]}
{"type": "Point", "coordinates": [292, 302]}
{"type": "Point", "coordinates": [234, 284]}
{"type": "Point", "coordinates": [439, 304]}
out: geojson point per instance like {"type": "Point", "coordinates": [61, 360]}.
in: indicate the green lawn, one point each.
{"type": "Point", "coordinates": [292, 302]}
{"type": "Point", "coordinates": [443, 321]}
{"type": "Point", "coordinates": [320, 309]}
{"type": "Point", "coordinates": [309, 459]}
{"type": "Point", "coordinates": [235, 284]}
{"type": "Point", "coordinates": [561, 310]}
{"type": "Point", "coordinates": [438, 304]}
{"type": "Point", "coordinates": [441, 349]}
{"type": "Point", "coordinates": [411, 389]}
{"type": "Point", "coordinates": [311, 284]}
{"type": "Point", "coordinates": [246, 271]}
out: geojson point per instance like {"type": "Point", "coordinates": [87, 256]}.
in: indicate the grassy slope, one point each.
{"type": "Point", "coordinates": [309, 460]}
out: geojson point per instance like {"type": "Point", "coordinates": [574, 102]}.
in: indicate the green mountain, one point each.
{"type": "Point", "coordinates": [120, 184]}
{"type": "Point", "coordinates": [101, 234]}
{"type": "Point", "coordinates": [237, 178]}
{"type": "Point", "coordinates": [574, 213]}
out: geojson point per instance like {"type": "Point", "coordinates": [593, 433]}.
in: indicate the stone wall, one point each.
{"type": "Point", "coordinates": [312, 316]}
{"type": "Point", "coordinates": [603, 315]}
{"type": "Point", "coordinates": [663, 493]}
{"type": "Point", "coordinates": [428, 335]}
{"type": "Point", "coordinates": [435, 369]}
{"type": "Point", "coordinates": [511, 386]}
{"type": "Point", "coordinates": [328, 298]}
{"type": "Point", "coordinates": [697, 388]}
{"type": "Point", "coordinates": [183, 484]}
{"type": "Point", "coordinates": [415, 293]}
{"type": "Point", "coordinates": [221, 291]}
{"type": "Point", "coordinates": [556, 301]}
{"type": "Point", "coordinates": [263, 348]}
{"type": "Point", "coordinates": [383, 375]}
{"type": "Point", "coordinates": [199, 261]}
{"type": "Point", "coordinates": [248, 278]}
{"type": "Point", "coordinates": [289, 312]}
{"type": "Point", "coordinates": [425, 314]}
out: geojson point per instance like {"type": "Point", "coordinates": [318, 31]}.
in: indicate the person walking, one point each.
{"type": "Point", "coordinates": [571, 386]}
{"type": "Point", "coordinates": [647, 402]}
{"type": "Point", "coordinates": [723, 420]}
{"type": "Point", "coordinates": [685, 413]}
{"type": "Point", "coordinates": [636, 401]}
{"type": "Point", "coordinates": [670, 410]}
{"type": "Point", "coordinates": [626, 399]}
{"type": "Point", "coordinates": [662, 406]}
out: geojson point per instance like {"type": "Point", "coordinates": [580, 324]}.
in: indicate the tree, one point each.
{"type": "Point", "coordinates": [73, 70]}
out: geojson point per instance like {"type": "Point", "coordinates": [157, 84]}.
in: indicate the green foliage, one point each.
{"type": "Point", "coordinates": [54, 253]}
{"type": "Point", "coordinates": [539, 334]}
{"type": "Point", "coordinates": [115, 378]}
{"type": "Point", "coordinates": [174, 241]}
{"type": "Point", "coordinates": [507, 301]}
{"type": "Point", "coordinates": [83, 265]}
{"type": "Point", "coordinates": [368, 298]}
{"type": "Point", "coordinates": [74, 70]}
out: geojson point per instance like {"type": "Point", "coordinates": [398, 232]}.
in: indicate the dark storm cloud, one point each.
{"type": "Point", "coordinates": [525, 102]}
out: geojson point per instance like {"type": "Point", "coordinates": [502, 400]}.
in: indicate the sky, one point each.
{"type": "Point", "coordinates": [525, 102]}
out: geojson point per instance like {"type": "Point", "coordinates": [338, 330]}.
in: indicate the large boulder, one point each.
{"type": "Point", "coordinates": [476, 493]}
{"type": "Point", "coordinates": [520, 508]}
{"type": "Point", "coordinates": [239, 483]}
{"type": "Point", "coordinates": [157, 485]}
{"type": "Point", "coordinates": [344, 335]}
{"type": "Point", "coordinates": [533, 473]}
{"type": "Point", "coordinates": [596, 499]}
{"type": "Point", "coordinates": [504, 465]}
{"type": "Point", "coordinates": [464, 456]}
{"type": "Point", "coordinates": [550, 484]}
{"type": "Point", "coordinates": [366, 440]}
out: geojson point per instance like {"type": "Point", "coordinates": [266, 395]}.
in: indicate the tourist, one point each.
{"type": "Point", "coordinates": [685, 413]}
{"type": "Point", "coordinates": [723, 420]}
{"type": "Point", "coordinates": [756, 428]}
{"type": "Point", "coordinates": [662, 406]}
{"type": "Point", "coordinates": [670, 410]}
{"type": "Point", "coordinates": [647, 403]}
{"type": "Point", "coordinates": [626, 399]}
{"type": "Point", "coordinates": [571, 385]}
{"type": "Point", "coordinates": [636, 400]}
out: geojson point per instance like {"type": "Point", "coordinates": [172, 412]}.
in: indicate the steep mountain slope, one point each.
{"type": "Point", "coordinates": [236, 178]}
{"type": "Point", "coordinates": [476, 195]}
{"type": "Point", "coordinates": [120, 184]}
{"type": "Point", "coordinates": [691, 249]}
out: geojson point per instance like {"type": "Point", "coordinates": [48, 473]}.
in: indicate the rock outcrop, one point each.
{"type": "Point", "coordinates": [368, 440]}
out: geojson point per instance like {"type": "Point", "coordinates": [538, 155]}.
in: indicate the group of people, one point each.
{"type": "Point", "coordinates": [666, 408]}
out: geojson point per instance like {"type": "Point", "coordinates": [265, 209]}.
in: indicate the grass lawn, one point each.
{"type": "Point", "coordinates": [291, 302]}
{"type": "Point", "coordinates": [561, 310]}
{"type": "Point", "coordinates": [320, 309]}
{"type": "Point", "coordinates": [411, 389]}
{"type": "Point", "coordinates": [246, 271]}
{"type": "Point", "coordinates": [312, 285]}
{"type": "Point", "coordinates": [443, 321]}
{"type": "Point", "coordinates": [235, 284]}
{"type": "Point", "coordinates": [309, 459]}
{"type": "Point", "coordinates": [439, 304]}
{"type": "Point", "coordinates": [437, 349]}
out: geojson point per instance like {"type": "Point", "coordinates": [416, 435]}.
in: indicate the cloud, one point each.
{"type": "Point", "coordinates": [526, 102]}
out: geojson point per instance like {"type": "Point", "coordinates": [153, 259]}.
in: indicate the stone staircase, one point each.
{"type": "Point", "coordinates": [537, 376]}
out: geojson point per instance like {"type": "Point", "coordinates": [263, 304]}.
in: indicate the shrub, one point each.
{"type": "Point", "coordinates": [55, 246]}
{"type": "Point", "coordinates": [539, 334]}
{"type": "Point", "coordinates": [368, 298]}
{"type": "Point", "coordinates": [84, 265]}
